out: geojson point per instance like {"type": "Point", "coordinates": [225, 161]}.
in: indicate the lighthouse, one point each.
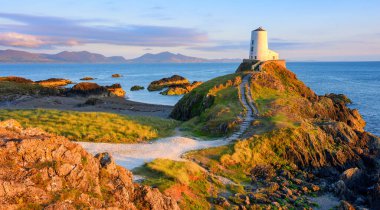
{"type": "Point", "coordinates": [259, 46]}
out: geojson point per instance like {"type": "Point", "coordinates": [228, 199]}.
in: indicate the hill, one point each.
{"type": "Point", "coordinates": [16, 56]}
{"type": "Point", "coordinates": [300, 145]}
{"type": "Point", "coordinates": [168, 57]}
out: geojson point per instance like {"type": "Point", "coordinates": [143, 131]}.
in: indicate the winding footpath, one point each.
{"type": "Point", "coordinates": [131, 156]}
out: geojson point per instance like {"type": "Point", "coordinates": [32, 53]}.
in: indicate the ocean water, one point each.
{"type": "Point", "coordinates": [360, 81]}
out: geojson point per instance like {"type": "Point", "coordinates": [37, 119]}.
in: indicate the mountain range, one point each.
{"type": "Point", "coordinates": [15, 56]}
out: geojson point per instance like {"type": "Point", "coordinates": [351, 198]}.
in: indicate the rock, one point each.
{"type": "Point", "coordinates": [116, 75]}
{"type": "Point", "coordinates": [137, 87]}
{"type": "Point", "coordinates": [116, 89]}
{"type": "Point", "coordinates": [339, 98]}
{"type": "Point", "coordinates": [16, 79]}
{"type": "Point", "coordinates": [54, 82]}
{"type": "Point", "coordinates": [262, 172]}
{"type": "Point", "coordinates": [222, 201]}
{"type": "Point", "coordinates": [181, 89]}
{"type": "Point", "coordinates": [167, 82]}
{"type": "Point", "coordinates": [87, 78]}
{"type": "Point", "coordinates": [51, 172]}
{"type": "Point", "coordinates": [351, 176]}
{"type": "Point", "coordinates": [93, 101]}
{"type": "Point", "coordinates": [344, 205]}
{"type": "Point", "coordinates": [86, 89]}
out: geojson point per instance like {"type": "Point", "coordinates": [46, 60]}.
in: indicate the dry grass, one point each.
{"type": "Point", "coordinates": [94, 126]}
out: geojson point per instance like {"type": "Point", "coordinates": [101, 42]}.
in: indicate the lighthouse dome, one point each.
{"type": "Point", "coordinates": [259, 29]}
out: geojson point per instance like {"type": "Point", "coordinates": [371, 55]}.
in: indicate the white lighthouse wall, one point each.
{"type": "Point", "coordinates": [272, 55]}
{"type": "Point", "coordinates": [260, 45]}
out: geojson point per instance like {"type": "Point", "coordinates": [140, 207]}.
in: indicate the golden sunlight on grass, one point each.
{"type": "Point", "coordinates": [94, 126]}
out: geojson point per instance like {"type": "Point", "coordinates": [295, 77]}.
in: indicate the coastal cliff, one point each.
{"type": "Point", "coordinates": [41, 170]}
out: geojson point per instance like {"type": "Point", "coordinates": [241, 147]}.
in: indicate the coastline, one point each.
{"type": "Point", "coordinates": [116, 105]}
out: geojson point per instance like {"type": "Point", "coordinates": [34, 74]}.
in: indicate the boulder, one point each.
{"type": "Point", "coordinates": [45, 171]}
{"type": "Point", "coordinates": [116, 89]}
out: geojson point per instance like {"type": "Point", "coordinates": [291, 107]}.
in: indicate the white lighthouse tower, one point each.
{"type": "Point", "coordinates": [259, 46]}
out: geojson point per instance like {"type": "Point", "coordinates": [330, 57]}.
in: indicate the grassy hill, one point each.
{"type": "Point", "coordinates": [301, 145]}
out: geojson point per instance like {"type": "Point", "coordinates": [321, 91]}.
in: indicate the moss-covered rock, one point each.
{"type": "Point", "coordinates": [137, 87]}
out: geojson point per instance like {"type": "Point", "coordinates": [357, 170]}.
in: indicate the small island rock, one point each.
{"type": "Point", "coordinates": [137, 87]}
{"type": "Point", "coordinates": [174, 80]}
{"type": "Point", "coordinates": [116, 75]}
{"type": "Point", "coordinates": [87, 78]}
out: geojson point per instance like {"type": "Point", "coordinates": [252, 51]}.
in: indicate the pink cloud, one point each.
{"type": "Point", "coordinates": [12, 39]}
{"type": "Point", "coordinates": [20, 40]}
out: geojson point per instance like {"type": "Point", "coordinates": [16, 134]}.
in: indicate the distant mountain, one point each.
{"type": "Point", "coordinates": [15, 56]}
{"type": "Point", "coordinates": [168, 57]}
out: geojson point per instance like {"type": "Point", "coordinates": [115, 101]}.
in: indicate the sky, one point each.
{"type": "Point", "coordinates": [323, 30]}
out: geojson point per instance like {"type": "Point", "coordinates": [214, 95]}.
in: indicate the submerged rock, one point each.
{"type": "Point", "coordinates": [48, 171]}
{"type": "Point", "coordinates": [116, 75]}
{"type": "Point", "coordinates": [87, 78]}
{"type": "Point", "coordinates": [54, 82]}
{"type": "Point", "coordinates": [167, 82]}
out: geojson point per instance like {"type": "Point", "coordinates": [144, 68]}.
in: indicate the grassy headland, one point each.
{"type": "Point", "coordinates": [212, 109]}
{"type": "Point", "coordinates": [298, 139]}
{"type": "Point", "coordinates": [94, 126]}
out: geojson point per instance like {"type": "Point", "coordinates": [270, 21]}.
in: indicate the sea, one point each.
{"type": "Point", "coordinates": [360, 81]}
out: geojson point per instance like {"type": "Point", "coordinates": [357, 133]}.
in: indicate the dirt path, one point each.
{"type": "Point", "coordinates": [134, 155]}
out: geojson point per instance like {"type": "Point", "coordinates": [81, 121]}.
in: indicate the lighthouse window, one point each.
{"type": "Point", "coordinates": [251, 49]}
{"type": "Point", "coordinates": [253, 41]}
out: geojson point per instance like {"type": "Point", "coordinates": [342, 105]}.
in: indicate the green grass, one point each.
{"type": "Point", "coordinates": [221, 117]}
{"type": "Point", "coordinates": [9, 89]}
{"type": "Point", "coordinates": [94, 126]}
{"type": "Point", "coordinates": [182, 178]}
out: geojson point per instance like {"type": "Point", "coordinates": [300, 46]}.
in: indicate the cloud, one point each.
{"type": "Point", "coordinates": [58, 30]}
{"type": "Point", "coordinates": [12, 39]}
{"type": "Point", "coordinates": [275, 44]}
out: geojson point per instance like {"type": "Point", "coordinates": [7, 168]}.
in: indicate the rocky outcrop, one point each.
{"type": "Point", "coordinates": [174, 80]}
{"type": "Point", "coordinates": [16, 79]}
{"type": "Point", "coordinates": [193, 104]}
{"type": "Point", "coordinates": [137, 87]}
{"type": "Point", "coordinates": [87, 89]}
{"type": "Point", "coordinates": [40, 170]}
{"type": "Point", "coordinates": [181, 89]}
{"type": "Point", "coordinates": [116, 89]}
{"type": "Point", "coordinates": [54, 82]}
